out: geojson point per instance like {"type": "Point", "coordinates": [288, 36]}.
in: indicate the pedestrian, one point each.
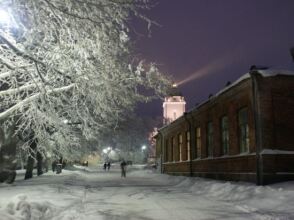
{"type": "Point", "coordinates": [104, 166]}
{"type": "Point", "coordinates": [123, 168]}
{"type": "Point", "coordinates": [54, 164]}
{"type": "Point", "coordinates": [108, 165]}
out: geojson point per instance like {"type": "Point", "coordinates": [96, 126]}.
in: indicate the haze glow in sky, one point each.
{"type": "Point", "coordinates": [211, 42]}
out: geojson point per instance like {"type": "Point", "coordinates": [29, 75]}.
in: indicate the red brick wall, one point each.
{"type": "Point", "coordinates": [228, 103]}
{"type": "Point", "coordinates": [240, 164]}
{"type": "Point", "coordinates": [277, 111]}
{"type": "Point", "coordinates": [276, 99]}
{"type": "Point", "coordinates": [178, 127]}
{"type": "Point", "coordinates": [177, 168]}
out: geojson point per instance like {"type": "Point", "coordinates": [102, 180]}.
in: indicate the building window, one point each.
{"type": "Point", "coordinates": [188, 138]}
{"type": "Point", "coordinates": [225, 135]}
{"type": "Point", "coordinates": [173, 149]}
{"type": "Point", "coordinates": [198, 142]}
{"type": "Point", "coordinates": [243, 130]}
{"type": "Point", "coordinates": [209, 149]}
{"type": "Point", "coordinates": [180, 141]}
{"type": "Point", "coordinates": [175, 115]}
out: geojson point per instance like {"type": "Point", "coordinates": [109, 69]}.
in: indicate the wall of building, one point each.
{"type": "Point", "coordinates": [275, 159]}
{"type": "Point", "coordinates": [277, 110]}
{"type": "Point", "coordinates": [219, 166]}
{"type": "Point", "coordinates": [276, 96]}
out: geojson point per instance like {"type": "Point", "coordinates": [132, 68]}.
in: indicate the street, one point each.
{"type": "Point", "coordinates": [92, 193]}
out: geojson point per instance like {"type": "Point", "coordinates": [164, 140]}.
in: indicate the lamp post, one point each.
{"type": "Point", "coordinates": [107, 151]}
{"type": "Point", "coordinates": [7, 21]}
{"type": "Point", "coordinates": [144, 153]}
{"type": "Point", "coordinates": [4, 17]}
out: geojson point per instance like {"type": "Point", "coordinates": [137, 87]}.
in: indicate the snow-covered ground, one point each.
{"type": "Point", "coordinates": [91, 193]}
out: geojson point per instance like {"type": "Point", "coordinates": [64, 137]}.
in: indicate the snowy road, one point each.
{"type": "Point", "coordinates": [143, 195]}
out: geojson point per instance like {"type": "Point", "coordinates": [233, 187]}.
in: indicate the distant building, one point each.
{"type": "Point", "coordinates": [173, 105]}
{"type": "Point", "coordinates": [242, 133]}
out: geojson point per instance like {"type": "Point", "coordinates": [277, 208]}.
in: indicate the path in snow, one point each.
{"type": "Point", "coordinates": [144, 195]}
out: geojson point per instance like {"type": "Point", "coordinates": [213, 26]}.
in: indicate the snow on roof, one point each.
{"type": "Point", "coordinates": [273, 72]}
{"type": "Point", "coordinates": [264, 73]}
{"type": "Point", "coordinates": [245, 76]}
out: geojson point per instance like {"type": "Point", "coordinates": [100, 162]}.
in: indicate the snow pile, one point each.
{"type": "Point", "coordinates": [275, 151]}
{"type": "Point", "coordinates": [143, 194]}
{"type": "Point", "coordinates": [20, 207]}
{"type": "Point", "coordinates": [223, 190]}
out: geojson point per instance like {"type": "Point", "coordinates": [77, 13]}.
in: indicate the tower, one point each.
{"type": "Point", "coordinates": [173, 105]}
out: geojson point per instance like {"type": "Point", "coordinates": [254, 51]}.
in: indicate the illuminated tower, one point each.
{"type": "Point", "coordinates": [173, 105]}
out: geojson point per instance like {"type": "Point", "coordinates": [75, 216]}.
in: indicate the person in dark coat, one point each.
{"type": "Point", "coordinates": [123, 168]}
{"type": "Point", "coordinates": [108, 165]}
{"type": "Point", "coordinates": [104, 166]}
{"type": "Point", "coordinates": [54, 164]}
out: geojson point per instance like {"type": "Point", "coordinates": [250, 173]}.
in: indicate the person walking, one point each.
{"type": "Point", "coordinates": [108, 165]}
{"type": "Point", "coordinates": [104, 166]}
{"type": "Point", "coordinates": [123, 168]}
{"type": "Point", "coordinates": [54, 164]}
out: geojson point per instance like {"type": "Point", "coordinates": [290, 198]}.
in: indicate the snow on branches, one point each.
{"type": "Point", "coordinates": [65, 68]}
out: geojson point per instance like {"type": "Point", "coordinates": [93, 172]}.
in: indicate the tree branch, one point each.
{"type": "Point", "coordinates": [24, 102]}
{"type": "Point", "coordinates": [27, 56]}
{"type": "Point", "coordinates": [20, 89]}
{"type": "Point", "coordinates": [71, 14]}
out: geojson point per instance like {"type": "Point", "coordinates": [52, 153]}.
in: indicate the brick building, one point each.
{"type": "Point", "coordinates": [244, 132]}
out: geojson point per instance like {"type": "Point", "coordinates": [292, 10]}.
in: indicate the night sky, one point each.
{"type": "Point", "coordinates": [216, 41]}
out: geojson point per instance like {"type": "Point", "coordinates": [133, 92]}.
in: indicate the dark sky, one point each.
{"type": "Point", "coordinates": [215, 40]}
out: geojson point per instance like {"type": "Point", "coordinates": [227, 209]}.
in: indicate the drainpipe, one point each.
{"type": "Point", "coordinates": [161, 151]}
{"type": "Point", "coordinates": [190, 130]}
{"type": "Point", "coordinates": [258, 127]}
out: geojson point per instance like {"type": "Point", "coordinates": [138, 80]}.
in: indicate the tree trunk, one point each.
{"type": "Point", "coordinates": [8, 142]}
{"type": "Point", "coordinates": [31, 160]}
{"type": "Point", "coordinates": [39, 164]}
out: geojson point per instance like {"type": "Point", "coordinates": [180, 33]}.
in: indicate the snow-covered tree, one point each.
{"type": "Point", "coordinates": [66, 69]}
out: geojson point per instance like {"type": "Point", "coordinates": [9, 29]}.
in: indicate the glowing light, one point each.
{"type": "Point", "coordinates": [4, 17]}
{"type": "Point", "coordinates": [210, 68]}
{"type": "Point", "coordinates": [109, 148]}
{"type": "Point", "coordinates": [143, 147]}
{"type": "Point", "coordinates": [174, 85]}
{"type": "Point", "coordinates": [105, 151]}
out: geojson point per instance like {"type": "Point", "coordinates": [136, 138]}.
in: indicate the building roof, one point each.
{"type": "Point", "coordinates": [174, 91]}
{"type": "Point", "coordinates": [263, 73]}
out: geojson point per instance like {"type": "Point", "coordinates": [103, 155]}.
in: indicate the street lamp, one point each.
{"type": "Point", "coordinates": [7, 21]}
{"type": "Point", "coordinates": [144, 153]}
{"type": "Point", "coordinates": [67, 122]}
{"type": "Point", "coordinates": [106, 152]}
{"type": "Point", "coordinates": [4, 17]}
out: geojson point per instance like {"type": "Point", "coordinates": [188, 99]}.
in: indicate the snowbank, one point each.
{"type": "Point", "coordinates": [87, 194]}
